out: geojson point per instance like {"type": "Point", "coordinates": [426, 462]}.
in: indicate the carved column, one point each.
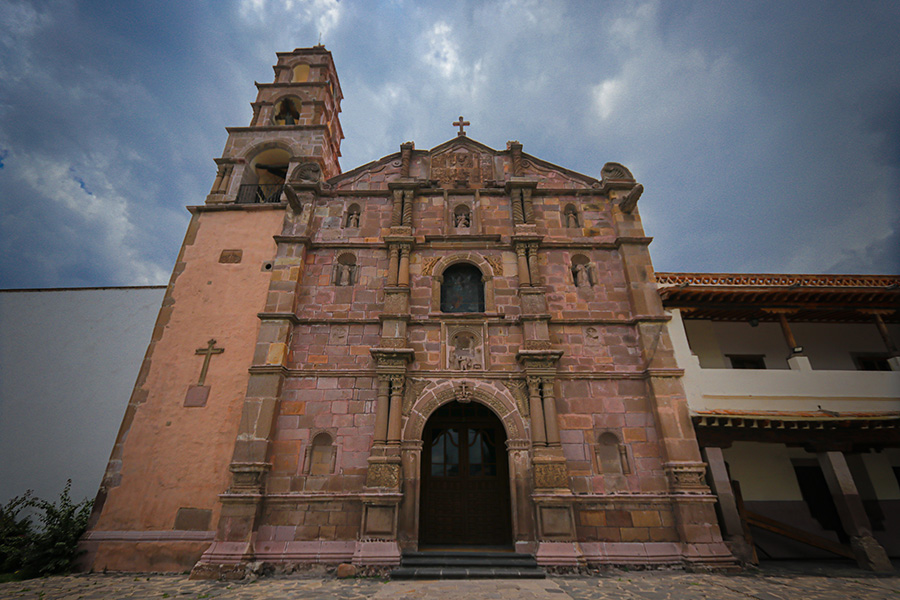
{"type": "Point", "coordinates": [403, 276]}
{"type": "Point", "coordinates": [397, 209]}
{"type": "Point", "coordinates": [533, 270]}
{"type": "Point", "coordinates": [407, 207]}
{"type": "Point", "coordinates": [515, 199]}
{"type": "Point", "coordinates": [381, 409]}
{"type": "Point", "coordinates": [394, 265]}
{"type": "Point", "coordinates": [524, 275]}
{"type": "Point", "coordinates": [551, 424]}
{"type": "Point", "coordinates": [538, 437]}
{"type": "Point", "coordinates": [396, 409]}
{"type": "Point", "coordinates": [527, 206]}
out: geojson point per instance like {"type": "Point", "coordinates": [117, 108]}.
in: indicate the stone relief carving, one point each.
{"type": "Point", "coordinates": [496, 263]}
{"type": "Point", "coordinates": [307, 172]}
{"type": "Point", "coordinates": [383, 475]}
{"type": "Point", "coordinates": [465, 349]}
{"type": "Point", "coordinates": [413, 390]}
{"type": "Point", "coordinates": [428, 264]}
{"type": "Point", "coordinates": [550, 475]}
{"type": "Point", "coordinates": [519, 391]}
{"type": "Point", "coordinates": [450, 168]}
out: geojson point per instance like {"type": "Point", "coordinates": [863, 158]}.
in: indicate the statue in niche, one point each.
{"type": "Point", "coordinates": [353, 217]}
{"type": "Point", "coordinates": [571, 217]}
{"type": "Point", "coordinates": [345, 274]}
{"type": "Point", "coordinates": [462, 219]}
{"type": "Point", "coordinates": [466, 355]}
{"type": "Point", "coordinates": [582, 277]}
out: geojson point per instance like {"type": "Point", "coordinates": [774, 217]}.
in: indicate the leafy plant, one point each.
{"type": "Point", "coordinates": [50, 549]}
{"type": "Point", "coordinates": [15, 532]}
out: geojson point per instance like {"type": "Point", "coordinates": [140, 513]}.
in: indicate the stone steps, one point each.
{"type": "Point", "coordinates": [467, 565]}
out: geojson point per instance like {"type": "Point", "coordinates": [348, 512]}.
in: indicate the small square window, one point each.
{"type": "Point", "coordinates": [871, 362]}
{"type": "Point", "coordinates": [747, 361]}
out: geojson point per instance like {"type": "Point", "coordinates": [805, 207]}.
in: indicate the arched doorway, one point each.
{"type": "Point", "coordinates": [465, 478]}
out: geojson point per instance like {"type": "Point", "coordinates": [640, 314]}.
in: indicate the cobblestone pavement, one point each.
{"type": "Point", "coordinates": [784, 582]}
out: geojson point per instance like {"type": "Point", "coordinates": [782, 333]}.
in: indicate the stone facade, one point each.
{"type": "Point", "coordinates": [341, 306]}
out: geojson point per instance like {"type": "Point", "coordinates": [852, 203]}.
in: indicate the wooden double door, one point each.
{"type": "Point", "coordinates": [465, 478]}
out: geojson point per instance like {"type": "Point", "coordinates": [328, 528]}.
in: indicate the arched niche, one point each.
{"type": "Point", "coordinates": [611, 455]}
{"type": "Point", "coordinates": [583, 275]}
{"type": "Point", "coordinates": [345, 270]}
{"type": "Point", "coordinates": [570, 216]}
{"type": "Point", "coordinates": [321, 455]}
{"type": "Point", "coordinates": [286, 111]}
{"type": "Point", "coordinates": [352, 216]}
{"type": "Point", "coordinates": [462, 217]}
{"type": "Point", "coordinates": [487, 274]}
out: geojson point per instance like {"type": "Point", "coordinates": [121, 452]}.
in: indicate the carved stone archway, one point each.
{"type": "Point", "coordinates": [502, 403]}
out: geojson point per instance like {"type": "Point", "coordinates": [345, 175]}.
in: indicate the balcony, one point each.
{"type": "Point", "coordinates": [260, 194]}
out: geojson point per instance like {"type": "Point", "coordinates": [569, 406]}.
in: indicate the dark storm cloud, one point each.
{"type": "Point", "coordinates": [766, 134]}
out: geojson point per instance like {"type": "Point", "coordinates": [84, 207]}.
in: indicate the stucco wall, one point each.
{"type": "Point", "coordinates": [68, 361]}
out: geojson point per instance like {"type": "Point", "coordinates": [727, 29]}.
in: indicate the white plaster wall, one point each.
{"type": "Point", "coordinates": [828, 345]}
{"type": "Point", "coordinates": [68, 363]}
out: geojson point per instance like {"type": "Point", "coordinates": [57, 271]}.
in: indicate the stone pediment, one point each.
{"type": "Point", "coordinates": [462, 162]}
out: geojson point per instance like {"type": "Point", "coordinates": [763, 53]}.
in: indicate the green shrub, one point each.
{"type": "Point", "coordinates": [15, 532]}
{"type": "Point", "coordinates": [50, 549]}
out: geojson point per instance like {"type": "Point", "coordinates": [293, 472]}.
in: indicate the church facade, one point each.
{"type": "Point", "coordinates": [460, 346]}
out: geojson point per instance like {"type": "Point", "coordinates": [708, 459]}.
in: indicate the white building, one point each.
{"type": "Point", "coordinates": [793, 382]}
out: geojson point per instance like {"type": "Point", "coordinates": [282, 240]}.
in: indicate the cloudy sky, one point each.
{"type": "Point", "coordinates": [766, 134]}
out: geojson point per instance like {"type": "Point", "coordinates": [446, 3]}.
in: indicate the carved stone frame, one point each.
{"type": "Point", "coordinates": [451, 201]}
{"type": "Point", "coordinates": [501, 402]}
{"type": "Point", "coordinates": [487, 276]}
{"type": "Point", "coordinates": [451, 328]}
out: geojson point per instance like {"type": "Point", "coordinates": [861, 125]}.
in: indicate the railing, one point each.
{"type": "Point", "coordinates": [260, 194]}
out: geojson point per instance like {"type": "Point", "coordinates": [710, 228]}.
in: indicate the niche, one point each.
{"type": "Point", "coordinates": [351, 221]}
{"type": "Point", "coordinates": [462, 217]}
{"type": "Point", "coordinates": [344, 270]}
{"type": "Point", "coordinates": [570, 216]}
{"type": "Point", "coordinates": [612, 457]}
{"type": "Point", "coordinates": [583, 272]}
{"type": "Point", "coordinates": [464, 351]}
{"type": "Point", "coordinates": [320, 455]}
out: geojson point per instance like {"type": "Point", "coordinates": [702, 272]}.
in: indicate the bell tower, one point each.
{"type": "Point", "coordinates": [295, 132]}
{"type": "Point", "coordinates": [183, 439]}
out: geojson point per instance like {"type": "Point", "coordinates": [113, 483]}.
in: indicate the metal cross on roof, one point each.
{"type": "Point", "coordinates": [461, 124]}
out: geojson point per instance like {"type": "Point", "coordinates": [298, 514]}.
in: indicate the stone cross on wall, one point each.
{"type": "Point", "coordinates": [207, 352]}
{"type": "Point", "coordinates": [461, 124]}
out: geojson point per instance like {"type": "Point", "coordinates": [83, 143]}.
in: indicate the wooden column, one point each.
{"type": "Point", "coordinates": [885, 334]}
{"type": "Point", "coordinates": [730, 521]}
{"type": "Point", "coordinates": [869, 553]}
